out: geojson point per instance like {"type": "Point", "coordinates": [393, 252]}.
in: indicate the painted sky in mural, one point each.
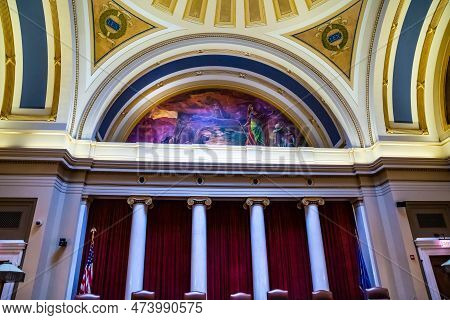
{"type": "Point", "coordinates": [217, 117]}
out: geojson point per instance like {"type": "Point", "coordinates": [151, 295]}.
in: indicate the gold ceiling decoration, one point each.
{"type": "Point", "coordinates": [225, 13]}
{"type": "Point", "coordinates": [225, 10]}
{"type": "Point", "coordinates": [335, 38]}
{"type": "Point", "coordinates": [313, 3]}
{"type": "Point", "coordinates": [165, 5]}
{"type": "Point", "coordinates": [255, 13]}
{"type": "Point", "coordinates": [115, 25]}
{"type": "Point", "coordinates": [10, 60]}
{"type": "Point", "coordinates": [196, 10]}
{"type": "Point", "coordinates": [285, 9]}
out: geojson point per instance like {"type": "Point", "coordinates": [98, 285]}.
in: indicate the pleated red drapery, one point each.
{"type": "Point", "coordinates": [340, 244]}
{"type": "Point", "coordinates": [229, 250]}
{"type": "Point", "coordinates": [287, 249]}
{"type": "Point", "coordinates": [168, 250]}
{"type": "Point", "coordinates": [112, 220]}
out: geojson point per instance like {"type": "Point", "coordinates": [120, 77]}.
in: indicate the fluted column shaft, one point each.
{"type": "Point", "coordinates": [260, 267]}
{"type": "Point", "coordinates": [315, 243]}
{"type": "Point", "coordinates": [365, 242]}
{"type": "Point", "coordinates": [78, 246]}
{"type": "Point", "coordinates": [199, 205]}
{"type": "Point", "coordinates": [136, 254]}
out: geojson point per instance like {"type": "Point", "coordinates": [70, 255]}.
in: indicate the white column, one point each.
{"type": "Point", "coordinates": [260, 267]}
{"type": "Point", "coordinates": [365, 241]}
{"type": "Point", "coordinates": [136, 254]}
{"type": "Point", "coordinates": [198, 244]}
{"type": "Point", "coordinates": [315, 243]}
{"type": "Point", "coordinates": [78, 241]}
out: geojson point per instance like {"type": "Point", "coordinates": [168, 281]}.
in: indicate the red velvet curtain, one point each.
{"type": "Point", "coordinates": [340, 244]}
{"type": "Point", "coordinates": [168, 250]}
{"type": "Point", "coordinates": [112, 219]}
{"type": "Point", "coordinates": [287, 249]}
{"type": "Point", "coordinates": [229, 250]}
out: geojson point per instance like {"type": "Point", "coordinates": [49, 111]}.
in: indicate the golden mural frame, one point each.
{"type": "Point", "coordinates": [6, 112]}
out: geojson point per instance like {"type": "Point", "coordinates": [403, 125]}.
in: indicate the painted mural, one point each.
{"type": "Point", "coordinates": [217, 117]}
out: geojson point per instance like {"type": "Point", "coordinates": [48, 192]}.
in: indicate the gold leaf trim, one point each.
{"type": "Point", "coordinates": [421, 87]}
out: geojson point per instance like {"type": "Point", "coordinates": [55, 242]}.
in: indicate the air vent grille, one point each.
{"type": "Point", "coordinates": [431, 220]}
{"type": "Point", "coordinates": [10, 220]}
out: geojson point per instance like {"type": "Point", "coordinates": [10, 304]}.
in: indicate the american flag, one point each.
{"type": "Point", "coordinates": [88, 275]}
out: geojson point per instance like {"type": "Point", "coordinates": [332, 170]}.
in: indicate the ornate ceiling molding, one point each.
{"type": "Point", "coordinates": [114, 26]}
{"type": "Point", "coordinates": [335, 38]}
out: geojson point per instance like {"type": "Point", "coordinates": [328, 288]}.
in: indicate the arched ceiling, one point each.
{"type": "Point", "coordinates": [365, 62]}
{"type": "Point", "coordinates": [328, 28]}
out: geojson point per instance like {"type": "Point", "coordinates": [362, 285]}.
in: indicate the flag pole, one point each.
{"type": "Point", "coordinates": [93, 231]}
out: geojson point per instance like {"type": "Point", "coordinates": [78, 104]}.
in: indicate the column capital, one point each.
{"type": "Point", "coordinates": [308, 201]}
{"type": "Point", "coordinates": [140, 199]}
{"type": "Point", "coordinates": [199, 200]}
{"type": "Point", "coordinates": [252, 201]}
{"type": "Point", "coordinates": [86, 198]}
{"type": "Point", "coordinates": [357, 202]}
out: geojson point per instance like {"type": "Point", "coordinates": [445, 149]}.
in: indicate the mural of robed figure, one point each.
{"type": "Point", "coordinates": [217, 117]}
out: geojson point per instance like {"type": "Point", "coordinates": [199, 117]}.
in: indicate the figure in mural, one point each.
{"type": "Point", "coordinates": [255, 132]}
{"type": "Point", "coordinates": [277, 136]}
{"type": "Point", "coordinates": [217, 117]}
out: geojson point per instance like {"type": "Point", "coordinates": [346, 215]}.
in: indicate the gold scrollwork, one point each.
{"type": "Point", "coordinates": [255, 201]}
{"type": "Point", "coordinates": [199, 200]}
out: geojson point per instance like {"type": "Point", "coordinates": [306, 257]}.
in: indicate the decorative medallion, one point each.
{"type": "Point", "coordinates": [115, 25]}
{"type": "Point", "coordinates": [335, 37]}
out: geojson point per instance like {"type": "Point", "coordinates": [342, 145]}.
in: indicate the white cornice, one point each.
{"type": "Point", "coordinates": [46, 143]}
